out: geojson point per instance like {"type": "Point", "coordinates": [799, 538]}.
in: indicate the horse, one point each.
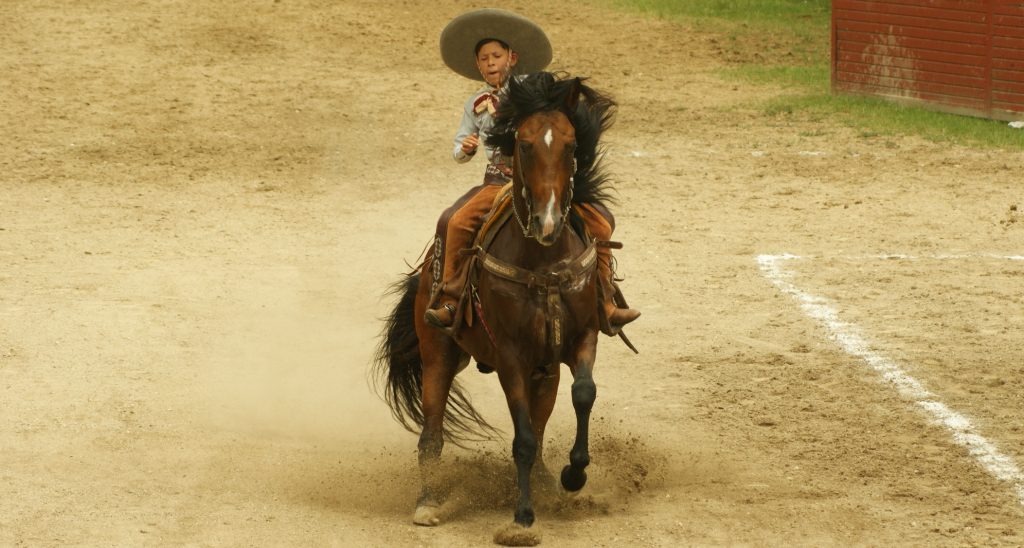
{"type": "Point", "coordinates": [534, 296]}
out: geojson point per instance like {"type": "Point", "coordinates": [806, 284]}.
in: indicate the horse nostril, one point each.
{"type": "Point", "coordinates": [546, 226]}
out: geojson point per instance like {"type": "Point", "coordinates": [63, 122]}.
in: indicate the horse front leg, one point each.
{"type": "Point", "coordinates": [584, 392]}
{"type": "Point", "coordinates": [524, 453]}
{"type": "Point", "coordinates": [543, 392]}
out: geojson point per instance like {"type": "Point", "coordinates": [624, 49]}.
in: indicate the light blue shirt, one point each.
{"type": "Point", "coordinates": [498, 170]}
{"type": "Point", "coordinates": [473, 122]}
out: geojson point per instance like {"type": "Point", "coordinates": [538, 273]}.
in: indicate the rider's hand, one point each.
{"type": "Point", "coordinates": [469, 144]}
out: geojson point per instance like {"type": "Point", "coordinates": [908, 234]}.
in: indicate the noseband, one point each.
{"type": "Point", "coordinates": [517, 173]}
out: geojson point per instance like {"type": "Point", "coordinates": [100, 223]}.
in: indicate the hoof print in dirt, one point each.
{"type": "Point", "coordinates": [515, 534]}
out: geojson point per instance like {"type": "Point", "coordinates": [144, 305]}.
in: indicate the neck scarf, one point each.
{"type": "Point", "coordinates": [487, 101]}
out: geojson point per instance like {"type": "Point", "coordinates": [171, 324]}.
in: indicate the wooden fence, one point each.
{"type": "Point", "coordinates": [961, 56]}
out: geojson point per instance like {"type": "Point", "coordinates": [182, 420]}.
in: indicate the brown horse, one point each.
{"type": "Point", "coordinates": [534, 300]}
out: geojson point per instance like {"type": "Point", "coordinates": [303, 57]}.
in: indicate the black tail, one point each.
{"type": "Point", "coordinates": [399, 368]}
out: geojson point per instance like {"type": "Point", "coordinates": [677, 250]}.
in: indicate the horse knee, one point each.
{"type": "Point", "coordinates": [584, 392]}
{"type": "Point", "coordinates": [524, 448]}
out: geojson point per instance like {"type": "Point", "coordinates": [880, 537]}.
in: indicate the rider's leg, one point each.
{"type": "Point", "coordinates": [462, 228]}
{"type": "Point", "coordinates": [601, 228]}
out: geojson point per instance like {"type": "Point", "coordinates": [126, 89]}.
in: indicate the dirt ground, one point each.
{"type": "Point", "coordinates": [202, 204]}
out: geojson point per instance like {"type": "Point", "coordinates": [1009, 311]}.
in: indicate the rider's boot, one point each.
{"type": "Point", "coordinates": [617, 316]}
{"type": "Point", "coordinates": [443, 315]}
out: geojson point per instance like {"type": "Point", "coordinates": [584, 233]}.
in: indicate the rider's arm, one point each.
{"type": "Point", "coordinates": [466, 128]}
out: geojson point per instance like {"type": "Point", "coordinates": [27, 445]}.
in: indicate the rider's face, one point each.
{"type": "Point", "coordinates": [495, 62]}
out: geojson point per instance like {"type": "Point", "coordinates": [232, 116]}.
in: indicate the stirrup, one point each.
{"type": "Point", "coordinates": [432, 316]}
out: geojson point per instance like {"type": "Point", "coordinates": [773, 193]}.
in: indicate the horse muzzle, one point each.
{"type": "Point", "coordinates": [546, 231]}
{"type": "Point", "coordinates": [547, 223]}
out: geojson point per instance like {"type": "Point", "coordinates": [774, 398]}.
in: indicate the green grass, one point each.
{"type": "Point", "coordinates": [769, 12]}
{"type": "Point", "coordinates": [785, 44]}
{"type": "Point", "coordinates": [809, 79]}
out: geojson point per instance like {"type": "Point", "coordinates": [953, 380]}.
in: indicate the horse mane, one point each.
{"type": "Point", "coordinates": [594, 113]}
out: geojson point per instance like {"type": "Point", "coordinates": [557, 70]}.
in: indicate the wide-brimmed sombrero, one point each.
{"type": "Point", "coordinates": [464, 32]}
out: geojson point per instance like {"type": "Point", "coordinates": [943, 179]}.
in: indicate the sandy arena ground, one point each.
{"type": "Point", "coordinates": [201, 206]}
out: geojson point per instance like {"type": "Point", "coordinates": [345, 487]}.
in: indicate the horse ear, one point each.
{"type": "Point", "coordinates": [573, 98]}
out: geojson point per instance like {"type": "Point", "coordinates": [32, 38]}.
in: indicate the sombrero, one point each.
{"type": "Point", "coordinates": [464, 32]}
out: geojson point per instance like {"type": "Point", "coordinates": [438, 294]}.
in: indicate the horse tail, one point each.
{"type": "Point", "coordinates": [399, 368]}
{"type": "Point", "coordinates": [397, 362]}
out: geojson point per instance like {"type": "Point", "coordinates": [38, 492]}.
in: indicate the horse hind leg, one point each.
{"type": "Point", "coordinates": [441, 362]}
{"type": "Point", "coordinates": [437, 381]}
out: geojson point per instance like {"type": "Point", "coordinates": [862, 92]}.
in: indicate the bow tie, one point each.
{"type": "Point", "coordinates": [487, 101]}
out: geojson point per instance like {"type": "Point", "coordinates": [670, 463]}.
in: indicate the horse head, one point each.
{"type": "Point", "coordinates": [544, 162]}
{"type": "Point", "coordinates": [550, 125]}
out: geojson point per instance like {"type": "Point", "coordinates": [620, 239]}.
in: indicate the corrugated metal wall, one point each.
{"type": "Point", "coordinates": [963, 56]}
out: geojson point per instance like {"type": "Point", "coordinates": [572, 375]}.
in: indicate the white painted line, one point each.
{"type": "Point", "coordinates": [849, 339]}
{"type": "Point", "coordinates": [901, 257]}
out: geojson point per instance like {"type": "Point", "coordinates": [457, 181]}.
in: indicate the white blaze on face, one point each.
{"type": "Point", "coordinates": [548, 138]}
{"type": "Point", "coordinates": [549, 217]}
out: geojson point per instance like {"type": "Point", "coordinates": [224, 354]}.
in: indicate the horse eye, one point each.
{"type": "Point", "coordinates": [525, 148]}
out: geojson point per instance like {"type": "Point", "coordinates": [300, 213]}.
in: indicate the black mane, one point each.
{"type": "Point", "coordinates": [545, 91]}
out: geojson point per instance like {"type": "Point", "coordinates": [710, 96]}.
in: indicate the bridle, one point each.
{"type": "Point", "coordinates": [517, 173]}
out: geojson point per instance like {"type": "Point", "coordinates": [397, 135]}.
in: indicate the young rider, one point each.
{"type": "Point", "coordinates": [500, 41]}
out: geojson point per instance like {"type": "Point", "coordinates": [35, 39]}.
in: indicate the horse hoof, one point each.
{"type": "Point", "coordinates": [515, 534]}
{"type": "Point", "coordinates": [573, 480]}
{"type": "Point", "coordinates": [426, 515]}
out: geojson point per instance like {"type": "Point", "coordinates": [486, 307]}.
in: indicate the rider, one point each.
{"type": "Point", "coordinates": [501, 41]}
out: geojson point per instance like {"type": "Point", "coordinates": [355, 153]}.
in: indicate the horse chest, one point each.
{"type": "Point", "coordinates": [531, 316]}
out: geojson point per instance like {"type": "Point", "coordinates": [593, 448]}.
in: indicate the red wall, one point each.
{"type": "Point", "coordinates": [962, 56]}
